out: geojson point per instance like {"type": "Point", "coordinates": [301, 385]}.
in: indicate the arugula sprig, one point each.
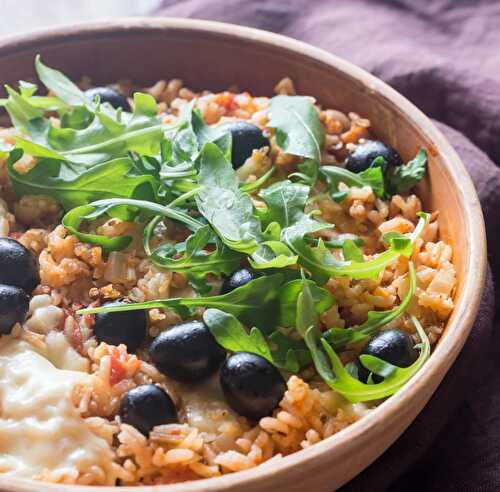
{"type": "Point", "coordinates": [232, 335]}
{"type": "Point", "coordinates": [298, 127]}
{"type": "Point", "coordinates": [254, 304]}
{"type": "Point", "coordinates": [196, 260]}
{"type": "Point", "coordinates": [320, 262]}
{"type": "Point", "coordinates": [372, 177]}
{"type": "Point", "coordinates": [220, 200]}
{"type": "Point", "coordinates": [333, 372]}
{"type": "Point", "coordinates": [121, 208]}
{"type": "Point", "coordinates": [402, 178]}
{"type": "Point", "coordinates": [340, 338]}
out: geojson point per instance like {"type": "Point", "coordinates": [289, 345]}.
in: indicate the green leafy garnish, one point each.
{"type": "Point", "coordinates": [196, 260]}
{"type": "Point", "coordinates": [333, 372]}
{"type": "Point", "coordinates": [97, 161]}
{"type": "Point", "coordinates": [323, 265]}
{"type": "Point", "coordinates": [394, 377]}
{"type": "Point", "coordinates": [352, 252]}
{"type": "Point", "coordinates": [372, 177]}
{"type": "Point", "coordinates": [59, 84]}
{"type": "Point", "coordinates": [254, 304]}
{"type": "Point", "coordinates": [339, 338]}
{"type": "Point", "coordinates": [230, 334]}
{"type": "Point", "coordinates": [400, 179]}
{"type": "Point", "coordinates": [227, 209]}
{"type": "Point", "coordinates": [73, 185]}
{"type": "Point", "coordinates": [288, 297]}
{"type": "Point", "coordinates": [75, 217]}
{"type": "Point", "coordinates": [289, 354]}
{"type": "Point", "coordinates": [298, 127]}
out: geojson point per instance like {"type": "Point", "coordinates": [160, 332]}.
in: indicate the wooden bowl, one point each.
{"type": "Point", "coordinates": [214, 56]}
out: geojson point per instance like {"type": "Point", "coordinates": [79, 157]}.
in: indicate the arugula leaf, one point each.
{"type": "Point", "coordinates": [230, 334]}
{"type": "Point", "coordinates": [21, 111]}
{"type": "Point", "coordinates": [352, 252]}
{"type": "Point", "coordinates": [60, 85]}
{"type": "Point", "coordinates": [258, 183]}
{"type": "Point", "coordinates": [395, 377]}
{"type": "Point", "coordinates": [107, 137]}
{"type": "Point", "coordinates": [190, 137]}
{"type": "Point", "coordinates": [288, 300]}
{"type": "Point", "coordinates": [307, 316]}
{"type": "Point", "coordinates": [285, 203]}
{"type": "Point", "coordinates": [307, 325]}
{"type": "Point", "coordinates": [198, 262]}
{"type": "Point", "coordinates": [323, 265]}
{"type": "Point", "coordinates": [372, 177]}
{"type": "Point", "coordinates": [254, 304]}
{"type": "Point", "coordinates": [220, 200]}
{"type": "Point", "coordinates": [298, 127]}
{"type": "Point", "coordinates": [88, 134]}
{"type": "Point", "coordinates": [342, 337]}
{"type": "Point", "coordinates": [333, 372]}
{"type": "Point", "coordinates": [337, 243]}
{"type": "Point", "coordinates": [74, 218]}
{"type": "Point", "coordinates": [73, 185]}
{"type": "Point", "coordinates": [289, 354]}
{"type": "Point", "coordinates": [400, 179]}
{"type": "Point", "coordinates": [285, 213]}
{"type": "Point", "coordinates": [272, 254]}
{"type": "Point", "coordinates": [285, 209]}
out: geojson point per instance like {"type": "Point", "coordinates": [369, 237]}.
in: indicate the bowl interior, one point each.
{"type": "Point", "coordinates": [212, 56]}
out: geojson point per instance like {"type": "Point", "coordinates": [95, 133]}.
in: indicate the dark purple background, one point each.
{"type": "Point", "coordinates": [444, 55]}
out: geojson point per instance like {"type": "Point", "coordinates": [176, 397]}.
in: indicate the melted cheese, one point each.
{"type": "Point", "coordinates": [40, 429]}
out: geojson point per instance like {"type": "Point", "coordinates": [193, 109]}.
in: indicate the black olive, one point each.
{"type": "Point", "coordinates": [251, 385]}
{"type": "Point", "coordinates": [187, 352]}
{"type": "Point", "coordinates": [365, 153]}
{"type": "Point", "coordinates": [394, 346]}
{"type": "Point", "coordinates": [109, 95]}
{"type": "Point", "coordinates": [14, 304]}
{"type": "Point", "coordinates": [246, 138]}
{"type": "Point", "coordinates": [146, 406]}
{"type": "Point", "coordinates": [127, 327]}
{"type": "Point", "coordinates": [18, 266]}
{"type": "Point", "coordinates": [237, 279]}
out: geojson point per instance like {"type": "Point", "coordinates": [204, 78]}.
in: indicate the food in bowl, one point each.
{"type": "Point", "coordinates": [193, 284]}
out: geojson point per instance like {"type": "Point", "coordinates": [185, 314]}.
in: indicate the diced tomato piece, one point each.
{"type": "Point", "coordinates": [117, 371]}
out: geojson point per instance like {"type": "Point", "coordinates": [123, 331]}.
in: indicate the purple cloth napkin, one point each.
{"type": "Point", "coordinates": [444, 55]}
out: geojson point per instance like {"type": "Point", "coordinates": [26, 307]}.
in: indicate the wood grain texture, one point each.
{"type": "Point", "coordinates": [214, 56]}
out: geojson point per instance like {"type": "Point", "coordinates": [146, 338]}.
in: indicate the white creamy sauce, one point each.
{"type": "Point", "coordinates": [40, 429]}
{"type": "Point", "coordinates": [205, 407]}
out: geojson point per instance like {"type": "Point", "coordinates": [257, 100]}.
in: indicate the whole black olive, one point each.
{"type": "Point", "coordinates": [127, 327]}
{"type": "Point", "coordinates": [251, 385]}
{"type": "Point", "coordinates": [246, 138]}
{"type": "Point", "coordinates": [18, 266]}
{"type": "Point", "coordinates": [237, 279]}
{"type": "Point", "coordinates": [146, 406]}
{"type": "Point", "coordinates": [187, 352]}
{"type": "Point", "coordinates": [394, 346]}
{"type": "Point", "coordinates": [365, 153]}
{"type": "Point", "coordinates": [108, 95]}
{"type": "Point", "coordinates": [14, 304]}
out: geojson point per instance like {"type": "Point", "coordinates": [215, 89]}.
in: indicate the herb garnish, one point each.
{"type": "Point", "coordinates": [97, 161]}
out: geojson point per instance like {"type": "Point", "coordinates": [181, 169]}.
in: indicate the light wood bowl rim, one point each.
{"type": "Point", "coordinates": [466, 310]}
